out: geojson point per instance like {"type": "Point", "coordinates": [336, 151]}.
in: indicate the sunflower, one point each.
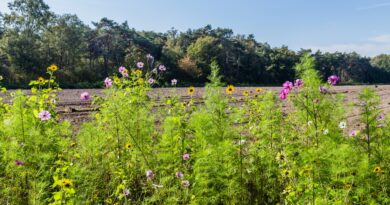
{"type": "Point", "coordinates": [184, 104]}
{"type": "Point", "coordinates": [128, 146]}
{"type": "Point", "coordinates": [230, 89]}
{"type": "Point", "coordinates": [281, 157]}
{"type": "Point", "coordinates": [66, 183]}
{"type": "Point", "coordinates": [191, 90]}
{"type": "Point", "coordinates": [377, 169]}
{"type": "Point", "coordinates": [52, 68]}
{"type": "Point", "coordinates": [41, 80]}
{"type": "Point", "coordinates": [258, 90]}
{"type": "Point", "coordinates": [245, 93]}
{"type": "Point", "coordinates": [286, 173]}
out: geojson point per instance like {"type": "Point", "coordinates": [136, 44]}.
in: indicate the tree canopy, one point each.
{"type": "Point", "coordinates": [32, 37]}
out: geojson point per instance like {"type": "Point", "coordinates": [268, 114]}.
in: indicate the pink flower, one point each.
{"type": "Point", "coordinates": [150, 174]}
{"type": "Point", "coordinates": [186, 157]}
{"type": "Point", "coordinates": [298, 83]}
{"type": "Point", "coordinates": [323, 89]}
{"type": "Point", "coordinates": [126, 192]}
{"type": "Point", "coordinates": [140, 65]}
{"type": "Point", "coordinates": [288, 85]}
{"type": "Point", "coordinates": [173, 82]}
{"type": "Point", "coordinates": [85, 96]}
{"type": "Point", "coordinates": [19, 162]}
{"type": "Point", "coordinates": [151, 81]}
{"type": "Point", "coordinates": [185, 183]}
{"type": "Point", "coordinates": [179, 174]}
{"type": "Point", "coordinates": [108, 82]}
{"type": "Point", "coordinates": [283, 94]}
{"type": "Point", "coordinates": [44, 115]}
{"type": "Point", "coordinates": [353, 133]}
{"type": "Point", "coordinates": [122, 69]}
{"type": "Point", "coordinates": [333, 79]}
{"type": "Point", "coordinates": [162, 68]}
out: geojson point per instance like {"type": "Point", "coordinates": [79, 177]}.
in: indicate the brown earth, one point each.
{"type": "Point", "coordinates": [71, 108]}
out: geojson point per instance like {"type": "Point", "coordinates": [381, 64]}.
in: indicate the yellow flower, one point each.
{"type": "Point", "coordinates": [286, 173]}
{"type": "Point", "coordinates": [140, 81]}
{"type": "Point", "coordinates": [128, 146]}
{"type": "Point", "coordinates": [41, 80]}
{"type": "Point", "coordinates": [67, 183]}
{"type": "Point", "coordinates": [245, 93]}
{"type": "Point", "coordinates": [258, 90]}
{"type": "Point", "coordinates": [117, 80]}
{"type": "Point", "coordinates": [52, 68]}
{"type": "Point", "coordinates": [377, 169]}
{"type": "Point", "coordinates": [191, 90]}
{"type": "Point", "coordinates": [230, 89]}
{"type": "Point", "coordinates": [184, 104]}
{"type": "Point", "coordinates": [281, 157]}
{"type": "Point", "coordinates": [137, 72]}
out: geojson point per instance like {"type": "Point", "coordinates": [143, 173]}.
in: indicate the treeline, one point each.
{"type": "Point", "coordinates": [32, 37]}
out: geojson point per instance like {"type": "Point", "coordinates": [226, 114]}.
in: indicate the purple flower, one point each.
{"type": "Point", "coordinates": [108, 82]}
{"type": "Point", "coordinates": [333, 79]}
{"type": "Point", "coordinates": [121, 69]}
{"type": "Point", "coordinates": [283, 94]}
{"type": "Point", "coordinates": [162, 67]}
{"type": "Point", "coordinates": [150, 174]}
{"type": "Point", "coordinates": [353, 133]}
{"type": "Point", "coordinates": [298, 83]}
{"type": "Point", "coordinates": [185, 183]}
{"type": "Point", "coordinates": [126, 192]}
{"type": "Point", "coordinates": [179, 174]}
{"type": "Point", "coordinates": [149, 57]}
{"type": "Point", "coordinates": [186, 157]}
{"type": "Point", "coordinates": [85, 96]}
{"type": "Point", "coordinates": [380, 117]}
{"type": "Point", "coordinates": [288, 85]}
{"type": "Point", "coordinates": [44, 115]}
{"type": "Point", "coordinates": [151, 81]}
{"type": "Point", "coordinates": [140, 65]}
{"type": "Point", "coordinates": [323, 89]}
{"type": "Point", "coordinates": [19, 163]}
{"type": "Point", "coordinates": [173, 82]}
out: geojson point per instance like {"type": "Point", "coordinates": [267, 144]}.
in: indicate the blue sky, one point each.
{"type": "Point", "coordinates": [330, 25]}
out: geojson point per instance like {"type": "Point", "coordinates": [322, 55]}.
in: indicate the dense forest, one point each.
{"type": "Point", "coordinates": [32, 38]}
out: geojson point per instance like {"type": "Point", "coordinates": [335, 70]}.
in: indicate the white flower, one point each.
{"type": "Point", "coordinates": [326, 131]}
{"type": "Point", "coordinates": [309, 123]}
{"type": "Point", "coordinates": [342, 125]}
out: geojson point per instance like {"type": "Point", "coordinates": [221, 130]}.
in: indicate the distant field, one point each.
{"type": "Point", "coordinates": [71, 108]}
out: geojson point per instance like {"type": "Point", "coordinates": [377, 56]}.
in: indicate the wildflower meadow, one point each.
{"type": "Point", "coordinates": [294, 146]}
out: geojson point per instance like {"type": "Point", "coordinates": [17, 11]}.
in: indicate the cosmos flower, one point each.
{"type": "Point", "coordinates": [230, 89]}
{"type": "Point", "coordinates": [154, 70]}
{"type": "Point", "coordinates": [179, 174]}
{"type": "Point", "coordinates": [380, 117]}
{"type": "Point", "coordinates": [149, 57]}
{"type": "Point", "coordinates": [353, 133]}
{"type": "Point", "coordinates": [150, 174]}
{"type": "Point", "coordinates": [333, 79]}
{"type": "Point", "coordinates": [186, 157]}
{"type": "Point", "coordinates": [85, 96]}
{"type": "Point", "coordinates": [283, 94]}
{"type": "Point", "coordinates": [162, 68]}
{"type": "Point", "coordinates": [342, 125]}
{"type": "Point", "coordinates": [173, 82]}
{"type": "Point", "coordinates": [151, 81]}
{"type": "Point", "coordinates": [140, 65]}
{"type": "Point", "coordinates": [126, 192]}
{"type": "Point", "coordinates": [185, 183]}
{"type": "Point", "coordinates": [298, 83]}
{"type": "Point", "coordinates": [19, 162]}
{"type": "Point", "coordinates": [108, 82]}
{"type": "Point", "coordinates": [288, 85]}
{"type": "Point", "coordinates": [44, 115]}
{"type": "Point", "coordinates": [323, 89]}
{"type": "Point", "coordinates": [326, 131]}
{"type": "Point", "coordinates": [121, 69]}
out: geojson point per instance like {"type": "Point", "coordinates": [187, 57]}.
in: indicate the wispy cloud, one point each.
{"type": "Point", "coordinates": [380, 38]}
{"type": "Point", "coordinates": [373, 6]}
